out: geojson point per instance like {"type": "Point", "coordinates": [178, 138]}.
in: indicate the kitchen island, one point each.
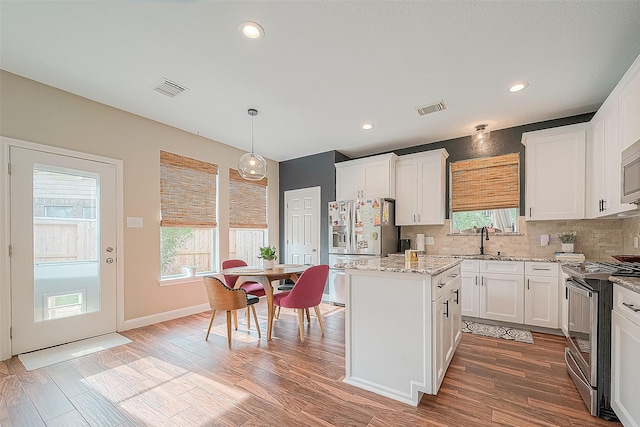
{"type": "Point", "coordinates": [403, 324]}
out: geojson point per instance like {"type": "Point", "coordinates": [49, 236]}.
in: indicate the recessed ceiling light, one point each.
{"type": "Point", "coordinates": [518, 87]}
{"type": "Point", "coordinates": [368, 126]}
{"type": "Point", "coordinates": [251, 30]}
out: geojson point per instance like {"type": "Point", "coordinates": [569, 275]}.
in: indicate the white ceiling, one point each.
{"type": "Point", "coordinates": [324, 68]}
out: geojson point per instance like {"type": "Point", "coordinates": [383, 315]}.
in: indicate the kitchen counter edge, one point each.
{"type": "Point", "coordinates": [631, 283]}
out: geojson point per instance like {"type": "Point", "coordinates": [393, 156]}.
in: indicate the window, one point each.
{"type": "Point", "coordinates": [58, 211]}
{"type": "Point", "coordinates": [485, 193]}
{"type": "Point", "coordinates": [247, 217]}
{"type": "Point", "coordinates": [188, 196]}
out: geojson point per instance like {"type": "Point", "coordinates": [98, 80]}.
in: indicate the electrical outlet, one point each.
{"type": "Point", "coordinates": [430, 240]}
{"type": "Point", "coordinates": [544, 240]}
{"type": "Point", "coordinates": [635, 242]}
{"type": "Point", "coordinates": [134, 222]}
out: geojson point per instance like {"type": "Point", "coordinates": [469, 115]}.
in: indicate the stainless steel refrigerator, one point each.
{"type": "Point", "coordinates": [358, 230]}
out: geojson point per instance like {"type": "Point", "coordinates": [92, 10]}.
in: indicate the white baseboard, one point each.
{"type": "Point", "coordinates": [163, 317]}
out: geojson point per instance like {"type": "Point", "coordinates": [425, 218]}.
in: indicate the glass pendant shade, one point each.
{"type": "Point", "coordinates": [252, 166]}
{"type": "Point", "coordinates": [481, 135]}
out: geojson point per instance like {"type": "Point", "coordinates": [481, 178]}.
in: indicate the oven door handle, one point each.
{"type": "Point", "coordinates": [578, 288]}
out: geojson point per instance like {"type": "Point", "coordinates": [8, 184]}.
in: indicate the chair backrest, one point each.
{"type": "Point", "coordinates": [308, 290]}
{"type": "Point", "coordinates": [230, 263]}
{"type": "Point", "coordinates": [223, 298]}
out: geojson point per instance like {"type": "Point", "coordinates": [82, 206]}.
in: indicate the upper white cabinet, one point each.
{"type": "Point", "coordinates": [629, 102]}
{"type": "Point", "coordinates": [603, 164]}
{"type": "Point", "coordinates": [420, 188]}
{"type": "Point", "coordinates": [555, 173]}
{"type": "Point", "coordinates": [368, 177]}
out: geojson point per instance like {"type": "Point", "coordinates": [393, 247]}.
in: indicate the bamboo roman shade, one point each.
{"type": "Point", "coordinates": [487, 183]}
{"type": "Point", "coordinates": [247, 202]}
{"type": "Point", "coordinates": [188, 191]}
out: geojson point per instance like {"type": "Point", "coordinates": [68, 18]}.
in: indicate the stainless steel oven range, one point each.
{"type": "Point", "coordinates": [588, 353]}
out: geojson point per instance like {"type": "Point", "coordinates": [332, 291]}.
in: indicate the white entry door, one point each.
{"type": "Point", "coordinates": [302, 225]}
{"type": "Point", "coordinates": [63, 248]}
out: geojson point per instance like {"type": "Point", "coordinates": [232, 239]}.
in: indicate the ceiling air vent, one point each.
{"type": "Point", "coordinates": [169, 88]}
{"type": "Point", "coordinates": [431, 108]}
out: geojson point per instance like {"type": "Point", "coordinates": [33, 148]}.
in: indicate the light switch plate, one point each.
{"type": "Point", "coordinates": [134, 222]}
{"type": "Point", "coordinates": [430, 240]}
{"type": "Point", "coordinates": [635, 242]}
{"type": "Point", "coordinates": [544, 240]}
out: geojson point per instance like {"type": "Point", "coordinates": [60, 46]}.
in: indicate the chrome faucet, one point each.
{"type": "Point", "coordinates": [482, 234]}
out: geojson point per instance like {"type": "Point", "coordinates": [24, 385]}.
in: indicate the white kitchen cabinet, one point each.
{"type": "Point", "coordinates": [603, 164]}
{"type": "Point", "coordinates": [368, 177]}
{"type": "Point", "coordinates": [502, 291]}
{"type": "Point", "coordinates": [625, 348]}
{"type": "Point", "coordinates": [541, 294]}
{"type": "Point", "coordinates": [629, 102]}
{"type": "Point", "coordinates": [564, 306]}
{"type": "Point", "coordinates": [555, 173]}
{"type": "Point", "coordinates": [447, 329]}
{"type": "Point", "coordinates": [470, 271]}
{"type": "Point", "coordinates": [420, 188]}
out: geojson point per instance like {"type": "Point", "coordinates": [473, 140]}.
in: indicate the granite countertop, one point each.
{"type": "Point", "coordinates": [431, 265]}
{"type": "Point", "coordinates": [631, 283]}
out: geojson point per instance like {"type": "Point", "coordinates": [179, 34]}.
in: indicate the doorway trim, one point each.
{"type": "Point", "coordinates": [5, 274]}
{"type": "Point", "coordinates": [287, 194]}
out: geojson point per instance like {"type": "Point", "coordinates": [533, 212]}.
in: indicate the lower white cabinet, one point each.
{"type": "Point", "coordinates": [511, 291]}
{"type": "Point", "coordinates": [447, 330]}
{"type": "Point", "coordinates": [541, 294]}
{"type": "Point", "coordinates": [625, 348]}
{"type": "Point", "coordinates": [501, 297]}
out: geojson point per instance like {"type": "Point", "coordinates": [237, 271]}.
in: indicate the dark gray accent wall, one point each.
{"type": "Point", "coordinates": [317, 170]}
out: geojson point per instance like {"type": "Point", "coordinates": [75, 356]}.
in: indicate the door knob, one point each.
{"type": "Point", "coordinates": [109, 260]}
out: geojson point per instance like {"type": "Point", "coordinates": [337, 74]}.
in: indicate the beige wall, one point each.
{"type": "Point", "coordinates": [37, 113]}
{"type": "Point", "coordinates": [597, 238]}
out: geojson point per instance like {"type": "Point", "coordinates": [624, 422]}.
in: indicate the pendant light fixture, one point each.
{"type": "Point", "coordinates": [482, 134]}
{"type": "Point", "coordinates": [252, 167]}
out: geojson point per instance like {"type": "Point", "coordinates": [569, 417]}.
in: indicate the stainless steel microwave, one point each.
{"type": "Point", "coordinates": [631, 174]}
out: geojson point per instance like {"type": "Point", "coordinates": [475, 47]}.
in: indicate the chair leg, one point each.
{"type": "Point", "coordinates": [306, 310]}
{"type": "Point", "coordinates": [229, 328]}
{"type": "Point", "coordinates": [255, 317]}
{"type": "Point", "coordinates": [278, 312]}
{"type": "Point", "coordinates": [317, 309]}
{"type": "Point", "coordinates": [248, 319]}
{"type": "Point", "coordinates": [300, 324]}
{"type": "Point", "coordinates": [213, 314]}
{"type": "Point", "coordinates": [235, 319]}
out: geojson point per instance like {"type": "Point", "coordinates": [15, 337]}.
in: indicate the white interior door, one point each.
{"type": "Point", "coordinates": [63, 244]}
{"type": "Point", "coordinates": [302, 225]}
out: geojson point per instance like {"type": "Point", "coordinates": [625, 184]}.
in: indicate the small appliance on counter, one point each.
{"type": "Point", "coordinates": [404, 245]}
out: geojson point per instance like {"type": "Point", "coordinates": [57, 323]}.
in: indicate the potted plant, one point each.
{"type": "Point", "coordinates": [268, 255]}
{"type": "Point", "coordinates": [567, 239]}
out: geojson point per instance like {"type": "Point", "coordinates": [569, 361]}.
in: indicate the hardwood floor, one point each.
{"type": "Point", "coordinates": [171, 376]}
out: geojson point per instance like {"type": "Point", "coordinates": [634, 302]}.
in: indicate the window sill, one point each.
{"type": "Point", "coordinates": [183, 280]}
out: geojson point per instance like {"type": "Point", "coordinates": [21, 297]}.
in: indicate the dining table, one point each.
{"type": "Point", "coordinates": [265, 276]}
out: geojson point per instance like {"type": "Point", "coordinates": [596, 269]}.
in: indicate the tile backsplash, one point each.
{"type": "Point", "coordinates": [598, 239]}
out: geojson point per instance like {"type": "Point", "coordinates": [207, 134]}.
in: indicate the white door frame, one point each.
{"type": "Point", "coordinates": [5, 274]}
{"type": "Point", "coordinates": [287, 194]}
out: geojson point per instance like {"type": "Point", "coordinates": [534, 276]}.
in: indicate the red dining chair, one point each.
{"type": "Point", "coordinates": [222, 298]}
{"type": "Point", "coordinates": [306, 293]}
{"type": "Point", "coordinates": [251, 288]}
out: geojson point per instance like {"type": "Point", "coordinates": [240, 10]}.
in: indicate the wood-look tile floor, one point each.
{"type": "Point", "coordinates": [170, 376]}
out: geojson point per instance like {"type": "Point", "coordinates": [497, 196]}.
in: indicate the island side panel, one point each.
{"type": "Point", "coordinates": [388, 333]}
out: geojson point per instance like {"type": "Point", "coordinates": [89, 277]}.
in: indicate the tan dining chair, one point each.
{"type": "Point", "coordinates": [222, 298]}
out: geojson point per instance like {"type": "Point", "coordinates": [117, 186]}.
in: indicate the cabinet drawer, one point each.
{"type": "Point", "coordinates": [470, 265]}
{"type": "Point", "coordinates": [627, 303]}
{"type": "Point", "coordinates": [443, 281]}
{"type": "Point", "coordinates": [549, 269]}
{"type": "Point", "coordinates": [508, 267]}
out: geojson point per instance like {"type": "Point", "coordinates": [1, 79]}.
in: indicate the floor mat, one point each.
{"type": "Point", "coordinates": [52, 355]}
{"type": "Point", "coordinates": [496, 331]}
